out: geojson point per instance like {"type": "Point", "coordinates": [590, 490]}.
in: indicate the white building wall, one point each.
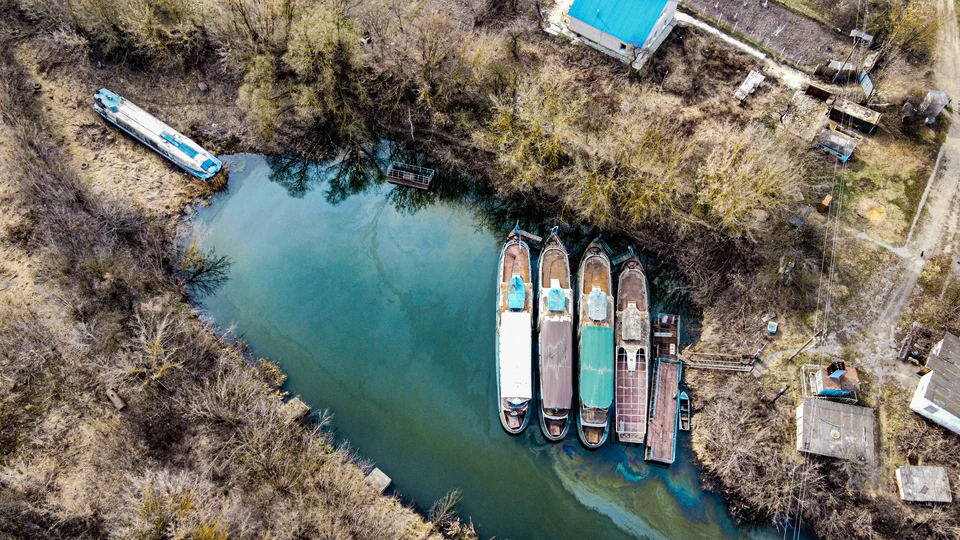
{"type": "Point", "coordinates": [625, 50]}
{"type": "Point", "coordinates": [603, 39]}
{"type": "Point", "coordinates": [926, 408]}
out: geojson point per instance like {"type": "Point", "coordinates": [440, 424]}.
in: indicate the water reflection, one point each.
{"type": "Point", "coordinates": [361, 170]}
{"type": "Point", "coordinates": [330, 281]}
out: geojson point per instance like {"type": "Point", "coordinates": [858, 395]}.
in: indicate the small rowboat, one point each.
{"type": "Point", "coordinates": [683, 404]}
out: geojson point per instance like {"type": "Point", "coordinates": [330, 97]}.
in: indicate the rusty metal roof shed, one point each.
{"type": "Point", "coordinates": [845, 111]}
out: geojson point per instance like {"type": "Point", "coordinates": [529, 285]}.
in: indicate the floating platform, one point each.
{"type": "Point", "coordinates": [667, 370]}
{"type": "Point", "coordinates": [405, 174]}
{"type": "Point", "coordinates": [662, 431]}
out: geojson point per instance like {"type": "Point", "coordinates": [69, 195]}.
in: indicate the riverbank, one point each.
{"type": "Point", "coordinates": [93, 298]}
{"type": "Point", "coordinates": [459, 106]}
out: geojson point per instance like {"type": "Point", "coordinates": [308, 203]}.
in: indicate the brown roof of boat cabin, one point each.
{"type": "Point", "coordinates": [556, 363]}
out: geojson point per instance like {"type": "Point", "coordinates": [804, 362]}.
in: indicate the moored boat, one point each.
{"type": "Point", "coordinates": [683, 402]}
{"type": "Point", "coordinates": [555, 339]}
{"type": "Point", "coordinates": [165, 140]}
{"type": "Point", "coordinates": [514, 334]}
{"type": "Point", "coordinates": [632, 337]}
{"type": "Point", "coordinates": [595, 332]}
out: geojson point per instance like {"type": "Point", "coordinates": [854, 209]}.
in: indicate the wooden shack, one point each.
{"type": "Point", "coordinates": [835, 380]}
{"type": "Point", "coordinates": [838, 430]}
{"type": "Point", "coordinates": [924, 484]}
{"type": "Point", "coordinates": [837, 144]}
{"type": "Point", "coordinates": [846, 112]}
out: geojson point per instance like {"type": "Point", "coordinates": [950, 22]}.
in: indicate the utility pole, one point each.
{"type": "Point", "coordinates": [809, 341]}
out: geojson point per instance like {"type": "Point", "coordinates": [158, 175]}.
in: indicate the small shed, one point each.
{"type": "Point", "coordinates": [938, 394]}
{"type": "Point", "coordinates": [750, 84]}
{"type": "Point", "coordinates": [838, 430]}
{"type": "Point", "coordinates": [933, 104]}
{"type": "Point", "coordinates": [848, 112]}
{"type": "Point", "coordinates": [820, 93]}
{"type": "Point", "coordinates": [861, 36]}
{"type": "Point", "coordinates": [924, 484]}
{"type": "Point", "coordinates": [836, 380]}
{"type": "Point", "coordinates": [837, 144]}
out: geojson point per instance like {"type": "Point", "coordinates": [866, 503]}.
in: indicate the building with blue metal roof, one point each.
{"type": "Point", "coordinates": [629, 29]}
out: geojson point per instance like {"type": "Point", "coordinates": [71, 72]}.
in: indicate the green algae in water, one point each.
{"type": "Point", "coordinates": [379, 303]}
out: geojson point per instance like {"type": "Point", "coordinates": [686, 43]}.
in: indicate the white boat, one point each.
{"type": "Point", "coordinates": [165, 140]}
{"type": "Point", "coordinates": [514, 335]}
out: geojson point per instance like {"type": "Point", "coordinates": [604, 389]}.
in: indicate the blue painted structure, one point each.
{"type": "Point", "coordinates": [149, 130]}
{"type": "Point", "coordinates": [630, 21]}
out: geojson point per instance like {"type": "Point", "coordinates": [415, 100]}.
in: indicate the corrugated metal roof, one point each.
{"type": "Point", "coordinates": [630, 21]}
{"type": "Point", "coordinates": [596, 366]}
{"type": "Point", "coordinates": [944, 389]}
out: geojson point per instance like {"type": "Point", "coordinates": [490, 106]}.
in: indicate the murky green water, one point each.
{"type": "Point", "coordinates": [379, 303]}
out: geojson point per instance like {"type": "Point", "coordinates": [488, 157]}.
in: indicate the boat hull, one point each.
{"type": "Point", "coordinates": [554, 341]}
{"type": "Point", "coordinates": [159, 136]}
{"type": "Point", "coordinates": [632, 373]}
{"type": "Point", "coordinates": [596, 344]}
{"type": "Point", "coordinates": [516, 339]}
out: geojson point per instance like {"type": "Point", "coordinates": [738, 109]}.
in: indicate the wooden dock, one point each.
{"type": "Point", "coordinates": [667, 369]}
{"type": "Point", "coordinates": [662, 430]}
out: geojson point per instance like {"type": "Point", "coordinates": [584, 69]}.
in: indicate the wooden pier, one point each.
{"type": "Point", "coordinates": [667, 369]}
{"type": "Point", "coordinates": [662, 430]}
{"type": "Point", "coordinates": [414, 176]}
{"type": "Point", "coordinates": [718, 361]}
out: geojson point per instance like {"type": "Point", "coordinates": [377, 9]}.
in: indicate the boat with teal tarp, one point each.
{"type": "Point", "coordinates": [555, 339]}
{"type": "Point", "coordinates": [595, 331]}
{"type": "Point", "coordinates": [149, 130]}
{"type": "Point", "coordinates": [514, 334]}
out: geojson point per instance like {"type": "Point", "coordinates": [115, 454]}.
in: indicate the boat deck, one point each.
{"type": "Point", "coordinates": [516, 259]}
{"type": "Point", "coordinates": [662, 437]}
{"type": "Point", "coordinates": [631, 401]}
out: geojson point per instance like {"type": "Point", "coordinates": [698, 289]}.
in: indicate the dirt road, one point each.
{"type": "Point", "coordinates": [939, 215]}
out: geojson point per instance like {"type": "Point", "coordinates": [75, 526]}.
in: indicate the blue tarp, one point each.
{"type": "Point", "coordinates": [630, 21]}
{"type": "Point", "coordinates": [596, 366]}
{"type": "Point", "coordinates": [516, 293]}
{"type": "Point", "coordinates": [556, 300]}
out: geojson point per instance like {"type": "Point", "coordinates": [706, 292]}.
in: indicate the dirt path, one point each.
{"type": "Point", "coordinates": [939, 215]}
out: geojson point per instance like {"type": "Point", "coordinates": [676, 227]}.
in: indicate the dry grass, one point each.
{"type": "Point", "coordinates": [202, 449]}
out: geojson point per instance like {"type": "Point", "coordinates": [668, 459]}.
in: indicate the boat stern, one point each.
{"type": "Point", "coordinates": [106, 101]}
{"type": "Point", "coordinates": [554, 428]}
{"type": "Point", "coordinates": [514, 418]}
{"type": "Point", "coordinates": [593, 436]}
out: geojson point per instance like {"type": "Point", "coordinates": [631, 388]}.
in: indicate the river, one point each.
{"type": "Point", "coordinates": [379, 302]}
